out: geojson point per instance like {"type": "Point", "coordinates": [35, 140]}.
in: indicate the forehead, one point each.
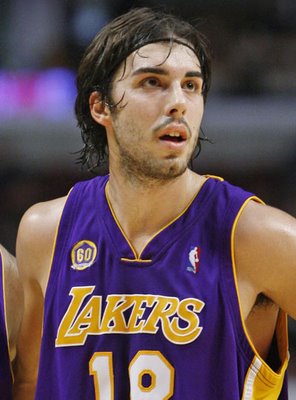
{"type": "Point", "coordinates": [173, 56]}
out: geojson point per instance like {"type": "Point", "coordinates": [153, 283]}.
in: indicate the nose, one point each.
{"type": "Point", "coordinates": [176, 102]}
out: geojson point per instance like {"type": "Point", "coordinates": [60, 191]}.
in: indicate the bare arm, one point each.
{"type": "Point", "coordinates": [265, 254]}
{"type": "Point", "coordinates": [34, 251]}
{"type": "Point", "coordinates": [13, 299]}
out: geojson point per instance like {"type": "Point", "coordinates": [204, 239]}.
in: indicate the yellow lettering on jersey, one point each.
{"type": "Point", "coordinates": [64, 338]}
{"type": "Point", "coordinates": [128, 314]}
{"type": "Point", "coordinates": [113, 319]}
{"type": "Point", "coordinates": [193, 330]}
{"type": "Point", "coordinates": [165, 307]}
{"type": "Point", "coordinates": [87, 321]}
{"type": "Point", "coordinates": [140, 303]}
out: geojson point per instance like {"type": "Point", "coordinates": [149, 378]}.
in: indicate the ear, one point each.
{"type": "Point", "coordinates": [98, 109]}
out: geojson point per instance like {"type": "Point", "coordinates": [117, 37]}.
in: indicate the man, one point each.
{"type": "Point", "coordinates": [10, 315]}
{"type": "Point", "coordinates": [157, 282]}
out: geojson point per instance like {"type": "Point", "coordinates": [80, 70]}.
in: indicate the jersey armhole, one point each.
{"type": "Point", "coordinates": [281, 330]}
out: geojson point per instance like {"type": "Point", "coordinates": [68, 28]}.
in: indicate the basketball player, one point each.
{"type": "Point", "coordinates": [10, 314]}
{"type": "Point", "coordinates": [153, 282]}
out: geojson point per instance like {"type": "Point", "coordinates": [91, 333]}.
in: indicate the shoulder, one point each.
{"type": "Point", "coordinates": [265, 228]}
{"type": "Point", "coordinates": [40, 221]}
{"type": "Point", "coordinates": [36, 236]}
{"type": "Point", "coordinates": [258, 216]}
{"type": "Point", "coordinates": [38, 214]}
{"type": "Point", "coordinates": [265, 253]}
{"type": "Point", "coordinates": [49, 210]}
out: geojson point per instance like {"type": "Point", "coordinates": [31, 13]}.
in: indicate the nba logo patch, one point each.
{"type": "Point", "coordinates": [194, 256]}
{"type": "Point", "coordinates": [83, 255]}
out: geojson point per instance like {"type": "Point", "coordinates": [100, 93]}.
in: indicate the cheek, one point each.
{"type": "Point", "coordinates": [127, 125]}
{"type": "Point", "coordinates": [195, 123]}
{"type": "Point", "coordinates": [140, 115]}
{"type": "Point", "coordinates": [196, 116]}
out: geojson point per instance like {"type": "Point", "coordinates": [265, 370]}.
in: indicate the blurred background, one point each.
{"type": "Point", "coordinates": [250, 114]}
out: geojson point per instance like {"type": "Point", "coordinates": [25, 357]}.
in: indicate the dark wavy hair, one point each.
{"type": "Point", "coordinates": [109, 49]}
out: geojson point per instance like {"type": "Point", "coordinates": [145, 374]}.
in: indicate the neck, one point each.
{"type": "Point", "coordinates": [142, 210]}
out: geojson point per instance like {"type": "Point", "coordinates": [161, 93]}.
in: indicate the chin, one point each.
{"type": "Point", "coordinates": [154, 169]}
{"type": "Point", "coordinates": [169, 172]}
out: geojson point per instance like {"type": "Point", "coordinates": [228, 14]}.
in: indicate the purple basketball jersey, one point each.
{"type": "Point", "coordinates": [163, 324]}
{"type": "Point", "coordinates": [5, 371]}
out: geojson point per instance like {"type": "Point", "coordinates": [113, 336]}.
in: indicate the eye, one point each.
{"type": "Point", "coordinates": [150, 82]}
{"type": "Point", "coordinates": [191, 86]}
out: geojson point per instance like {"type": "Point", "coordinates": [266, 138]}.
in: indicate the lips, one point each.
{"type": "Point", "coordinates": [173, 137]}
{"type": "Point", "coordinates": [174, 133]}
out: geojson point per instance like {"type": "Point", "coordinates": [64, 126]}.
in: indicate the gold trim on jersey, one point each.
{"type": "Point", "coordinates": [136, 255]}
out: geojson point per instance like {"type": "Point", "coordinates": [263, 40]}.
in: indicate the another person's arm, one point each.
{"type": "Point", "coordinates": [13, 299]}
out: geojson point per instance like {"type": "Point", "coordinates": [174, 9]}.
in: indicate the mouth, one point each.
{"type": "Point", "coordinates": [173, 137]}
{"type": "Point", "coordinates": [174, 133]}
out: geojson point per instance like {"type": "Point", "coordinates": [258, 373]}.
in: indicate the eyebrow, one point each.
{"type": "Point", "coordinates": [161, 71]}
